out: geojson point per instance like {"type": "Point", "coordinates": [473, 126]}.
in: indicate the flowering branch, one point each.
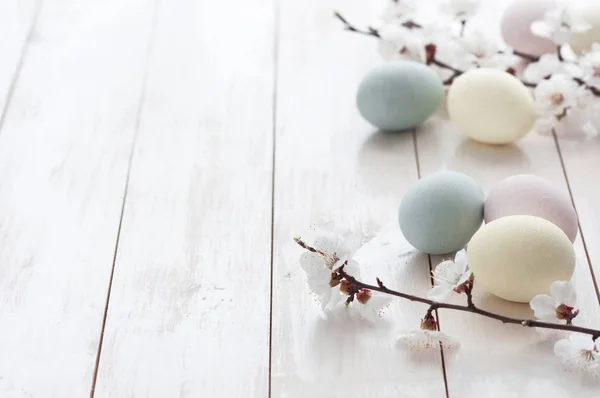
{"type": "Point", "coordinates": [468, 308]}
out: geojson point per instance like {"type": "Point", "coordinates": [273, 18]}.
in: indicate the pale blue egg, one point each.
{"type": "Point", "coordinates": [399, 95]}
{"type": "Point", "coordinates": [441, 212]}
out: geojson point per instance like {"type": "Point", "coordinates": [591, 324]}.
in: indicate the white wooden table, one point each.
{"type": "Point", "coordinates": [156, 158]}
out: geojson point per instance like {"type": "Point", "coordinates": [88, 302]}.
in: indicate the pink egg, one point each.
{"type": "Point", "coordinates": [516, 26]}
{"type": "Point", "coordinates": [529, 195]}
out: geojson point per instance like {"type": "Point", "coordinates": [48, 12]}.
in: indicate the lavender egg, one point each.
{"type": "Point", "coordinates": [529, 195]}
{"type": "Point", "coordinates": [516, 26]}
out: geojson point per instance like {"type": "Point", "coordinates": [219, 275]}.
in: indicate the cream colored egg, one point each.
{"type": "Point", "coordinates": [582, 42]}
{"type": "Point", "coordinates": [491, 106]}
{"type": "Point", "coordinates": [518, 257]}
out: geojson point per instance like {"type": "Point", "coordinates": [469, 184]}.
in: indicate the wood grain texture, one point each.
{"type": "Point", "coordinates": [189, 309]}
{"type": "Point", "coordinates": [17, 20]}
{"type": "Point", "coordinates": [64, 151]}
{"type": "Point", "coordinates": [581, 159]}
{"type": "Point", "coordinates": [333, 169]}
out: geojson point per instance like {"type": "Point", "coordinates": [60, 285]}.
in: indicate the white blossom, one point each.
{"type": "Point", "coordinates": [398, 42]}
{"type": "Point", "coordinates": [426, 339]}
{"type": "Point", "coordinates": [559, 306]}
{"type": "Point", "coordinates": [481, 51]}
{"type": "Point", "coordinates": [590, 64]}
{"type": "Point", "coordinates": [579, 351]}
{"type": "Point", "coordinates": [555, 95]}
{"type": "Point", "coordinates": [449, 276]}
{"type": "Point", "coordinates": [461, 10]}
{"type": "Point", "coordinates": [399, 11]}
{"type": "Point", "coordinates": [331, 253]}
{"type": "Point", "coordinates": [548, 65]}
{"type": "Point", "coordinates": [371, 304]}
{"type": "Point", "coordinates": [559, 24]}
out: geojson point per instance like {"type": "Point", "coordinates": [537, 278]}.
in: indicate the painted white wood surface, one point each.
{"type": "Point", "coordinates": [189, 308]}
{"type": "Point", "coordinates": [332, 167]}
{"type": "Point", "coordinates": [64, 149]}
{"type": "Point", "coordinates": [17, 18]}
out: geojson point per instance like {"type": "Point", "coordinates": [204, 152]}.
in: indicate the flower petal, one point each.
{"type": "Point", "coordinates": [461, 260]}
{"type": "Point", "coordinates": [312, 263]}
{"type": "Point", "coordinates": [543, 306]}
{"type": "Point", "coordinates": [326, 244]}
{"type": "Point", "coordinates": [563, 293]}
{"type": "Point", "coordinates": [563, 349]}
{"type": "Point", "coordinates": [439, 293]}
{"type": "Point", "coordinates": [581, 342]}
{"type": "Point", "coordinates": [541, 29]}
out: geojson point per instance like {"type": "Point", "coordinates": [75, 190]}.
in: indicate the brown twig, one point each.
{"type": "Point", "coordinates": [469, 308]}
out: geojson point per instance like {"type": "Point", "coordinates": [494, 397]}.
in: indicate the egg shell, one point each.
{"type": "Point", "coordinates": [530, 195]}
{"type": "Point", "coordinates": [441, 212]}
{"type": "Point", "coordinates": [518, 257]}
{"type": "Point", "coordinates": [581, 43]}
{"type": "Point", "coordinates": [516, 26]}
{"type": "Point", "coordinates": [491, 106]}
{"type": "Point", "coordinates": [399, 95]}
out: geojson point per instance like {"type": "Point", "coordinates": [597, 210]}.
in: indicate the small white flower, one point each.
{"type": "Point", "coordinates": [580, 352]}
{"type": "Point", "coordinates": [548, 65]}
{"type": "Point", "coordinates": [370, 304]}
{"type": "Point", "coordinates": [555, 95]}
{"type": "Point", "coordinates": [449, 276]}
{"type": "Point", "coordinates": [481, 51]}
{"type": "Point", "coordinates": [426, 339]}
{"type": "Point", "coordinates": [461, 9]}
{"type": "Point", "coordinates": [591, 66]}
{"type": "Point", "coordinates": [559, 306]}
{"type": "Point", "coordinates": [398, 42]}
{"type": "Point", "coordinates": [331, 253]}
{"type": "Point", "coordinates": [427, 336]}
{"type": "Point", "coordinates": [399, 11]}
{"type": "Point", "coordinates": [558, 25]}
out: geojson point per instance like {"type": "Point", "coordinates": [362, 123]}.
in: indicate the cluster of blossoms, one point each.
{"type": "Point", "coordinates": [565, 86]}
{"type": "Point", "coordinates": [332, 277]}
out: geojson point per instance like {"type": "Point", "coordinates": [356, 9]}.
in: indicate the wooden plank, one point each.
{"type": "Point", "coordinates": [332, 167]}
{"type": "Point", "coordinates": [189, 308]}
{"type": "Point", "coordinates": [496, 358]}
{"type": "Point", "coordinates": [17, 21]}
{"type": "Point", "coordinates": [580, 157]}
{"type": "Point", "coordinates": [64, 151]}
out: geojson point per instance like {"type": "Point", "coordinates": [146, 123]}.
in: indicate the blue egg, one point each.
{"type": "Point", "coordinates": [441, 212]}
{"type": "Point", "coordinates": [399, 95]}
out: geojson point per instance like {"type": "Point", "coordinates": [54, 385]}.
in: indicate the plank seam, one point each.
{"type": "Point", "coordinates": [437, 315]}
{"type": "Point", "coordinates": [141, 101]}
{"type": "Point", "coordinates": [585, 249]}
{"type": "Point", "coordinates": [273, 162]}
{"type": "Point", "coordinates": [20, 62]}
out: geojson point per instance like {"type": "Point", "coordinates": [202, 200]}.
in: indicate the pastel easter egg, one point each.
{"type": "Point", "coordinates": [491, 106]}
{"type": "Point", "coordinates": [530, 195]}
{"type": "Point", "coordinates": [399, 95]}
{"type": "Point", "coordinates": [518, 257]}
{"type": "Point", "coordinates": [516, 26]}
{"type": "Point", "coordinates": [441, 212]}
{"type": "Point", "coordinates": [582, 42]}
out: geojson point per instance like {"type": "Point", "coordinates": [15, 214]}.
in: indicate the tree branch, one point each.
{"type": "Point", "coordinates": [469, 308]}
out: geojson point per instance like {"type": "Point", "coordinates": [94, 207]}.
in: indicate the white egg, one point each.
{"type": "Point", "coordinates": [518, 257]}
{"type": "Point", "coordinates": [491, 106]}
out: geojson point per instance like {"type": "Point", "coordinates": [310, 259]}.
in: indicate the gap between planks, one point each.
{"type": "Point", "coordinates": [437, 315]}
{"type": "Point", "coordinates": [275, 54]}
{"type": "Point", "coordinates": [585, 248]}
{"type": "Point", "coordinates": [140, 106]}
